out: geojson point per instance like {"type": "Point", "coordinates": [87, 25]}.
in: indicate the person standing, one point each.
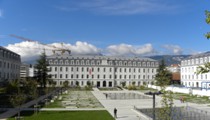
{"type": "Point", "coordinates": [115, 112]}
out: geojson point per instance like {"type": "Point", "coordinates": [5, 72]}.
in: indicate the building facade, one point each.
{"type": "Point", "coordinates": [101, 71]}
{"type": "Point", "coordinates": [189, 67]}
{"type": "Point", "coordinates": [24, 71]}
{"type": "Point", "coordinates": [9, 65]}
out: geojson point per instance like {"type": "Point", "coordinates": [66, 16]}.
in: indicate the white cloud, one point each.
{"type": "Point", "coordinates": [31, 50]}
{"type": "Point", "coordinates": [125, 49]}
{"type": "Point", "coordinates": [174, 49]}
{"type": "Point", "coordinates": [120, 7]}
{"type": "Point", "coordinates": [80, 48]}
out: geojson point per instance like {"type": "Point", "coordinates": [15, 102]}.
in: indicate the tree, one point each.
{"type": "Point", "coordinates": [208, 22]}
{"type": "Point", "coordinates": [206, 67]}
{"type": "Point", "coordinates": [163, 76]}
{"type": "Point", "coordinates": [17, 96]}
{"type": "Point", "coordinates": [65, 84]}
{"type": "Point", "coordinates": [42, 70]}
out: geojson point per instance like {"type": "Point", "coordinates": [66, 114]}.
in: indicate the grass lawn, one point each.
{"type": "Point", "coordinates": [192, 98]}
{"type": "Point", "coordinates": [67, 115]}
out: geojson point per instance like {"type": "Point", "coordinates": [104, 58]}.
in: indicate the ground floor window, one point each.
{"type": "Point", "coordinates": [110, 84]}
{"type": "Point", "coordinates": [104, 83]}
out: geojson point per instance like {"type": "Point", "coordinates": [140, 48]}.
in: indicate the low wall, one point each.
{"type": "Point", "coordinates": [184, 90]}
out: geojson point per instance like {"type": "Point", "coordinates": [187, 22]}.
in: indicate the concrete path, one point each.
{"type": "Point", "coordinates": [125, 108]}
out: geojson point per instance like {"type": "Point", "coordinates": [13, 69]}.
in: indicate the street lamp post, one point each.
{"type": "Point", "coordinates": [153, 94]}
{"type": "Point", "coordinates": [153, 97]}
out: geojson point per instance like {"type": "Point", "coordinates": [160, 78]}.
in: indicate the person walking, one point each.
{"type": "Point", "coordinates": [115, 112]}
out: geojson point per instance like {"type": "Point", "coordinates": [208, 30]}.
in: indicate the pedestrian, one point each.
{"type": "Point", "coordinates": [180, 99]}
{"type": "Point", "coordinates": [106, 95]}
{"type": "Point", "coordinates": [115, 112]}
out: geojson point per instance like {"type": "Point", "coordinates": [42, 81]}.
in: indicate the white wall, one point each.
{"type": "Point", "coordinates": [184, 90]}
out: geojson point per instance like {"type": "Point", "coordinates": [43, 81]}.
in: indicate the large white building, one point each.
{"type": "Point", "coordinates": [9, 65]}
{"type": "Point", "coordinates": [24, 71]}
{"type": "Point", "coordinates": [101, 71]}
{"type": "Point", "coordinates": [189, 78]}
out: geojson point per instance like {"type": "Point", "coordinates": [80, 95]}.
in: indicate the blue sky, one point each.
{"type": "Point", "coordinates": [113, 27]}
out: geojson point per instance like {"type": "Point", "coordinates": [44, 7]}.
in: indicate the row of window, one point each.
{"type": "Point", "coordinates": [192, 77]}
{"type": "Point", "coordinates": [201, 60]}
{"type": "Point", "coordinates": [90, 70]}
{"type": "Point", "coordinates": [82, 76]}
{"type": "Point", "coordinates": [189, 69]}
{"type": "Point", "coordinates": [10, 55]}
{"type": "Point", "coordinates": [8, 75]}
{"type": "Point", "coordinates": [8, 65]}
{"type": "Point", "coordinates": [191, 84]}
{"type": "Point", "coordinates": [98, 62]}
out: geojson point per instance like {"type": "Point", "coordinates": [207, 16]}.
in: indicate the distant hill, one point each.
{"type": "Point", "coordinates": [170, 59]}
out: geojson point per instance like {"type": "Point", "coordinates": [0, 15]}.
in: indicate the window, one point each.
{"type": "Point", "coordinates": [66, 69]}
{"type": "Point", "coordinates": [66, 62]}
{"type": "Point", "coordinates": [61, 76]}
{"type": "Point", "coordinates": [110, 76]}
{"type": "Point", "coordinates": [55, 68]}
{"type": "Point", "coordinates": [98, 76]}
{"type": "Point", "coordinates": [104, 76]}
{"type": "Point", "coordinates": [72, 62]}
{"type": "Point", "coordinates": [72, 76]}
{"type": "Point", "coordinates": [61, 62]}
{"type": "Point", "coordinates": [98, 69]}
{"type": "Point", "coordinates": [82, 69]}
{"type": "Point", "coordinates": [77, 76]}
{"type": "Point", "coordinates": [104, 69]}
{"type": "Point", "coordinates": [120, 63]}
{"type": "Point", "coordinates": [98, 62]}
{"type": "Point", "coordinates": [77, 62]}
{"type": "Point", "coordinates": [56, 62]}
{"type": "Point", "coordinates": [82, 76]}
{"type": "Point", "coordinates": [92, 63]}
{"type": "Point", "coordinates": [66, 75]}
{"type": "Point", "coordinates": [77, 69]}
{"type": "Point", "coordinates": [87, 62]}
{"type": "Point", "coordinates": [82, 62]}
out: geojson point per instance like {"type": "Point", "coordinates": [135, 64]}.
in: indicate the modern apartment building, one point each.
{"type": "Point", "coordinates": [101, 71]}
{"type": "Point", "coordinates": [189, 78]}
{"type": "Point", "coordinates": [9, 65]}
{"type": "Point", "coordinates": [24, 71]}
